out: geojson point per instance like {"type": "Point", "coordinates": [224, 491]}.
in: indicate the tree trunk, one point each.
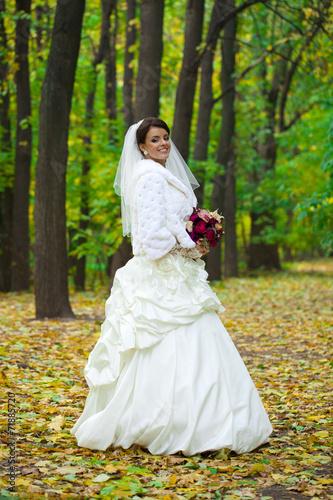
{"type": "Point", "coordinates": [206, 99]}
{"type": "Point", "coordinates": [214, 257]}
{"type": "Point", "coordinates": [206, 95]}
{"type": "Point", "coordinates": [188, 77]}
{"type": "Point", "coordinates": [6, 195]}
{"type": "Point", "coordinates": [226, 151]}
{"type": "Point", "coordinates": [20, 234]}
{"type": "Point", "coordinates": [202, 128]}
{"type": "Point", "coordinates": [120, 258]}
{"type": "Point", "coordinates": [287, 250]}
{"type": "Point", "coordinates": [147, 88]}
{"type": "Point", "coordinates": [51, 285]}
{"type": "Point", "coordinates": [262, 254]}
{"type": "Point", "coordinates": [104, 52]}
{"type": "Point", "coordinates": [42, 27]}
{"type": "Point", "coordinates": [80, 263]}
{"type": "Point", "coordinates": [39, 29]}
{"type": "Point", "coordinates": [224, 194]}
{"type": "Point", "coordinates": [110, 72]}
{"type": "Point", "coordinates": [128, 70]}
{"type": "Point", "coordinates": [147, 93]}
{"type": "Point", "coordinates": [6, 219]}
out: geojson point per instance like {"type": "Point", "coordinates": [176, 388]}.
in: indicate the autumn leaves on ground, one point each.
{"type": "Point", "coordinates": [282, 325]}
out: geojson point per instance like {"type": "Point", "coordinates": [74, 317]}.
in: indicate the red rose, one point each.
{"type": "Point", "coordinates": [210, 235]}
{"type": "Point", "coordinates": [213, 243]}
{"type": "Point", "coordinates": [194, 217]}
{"type": "Point", "coordinates": [194, 237]}
{"type": "Point", "coordinates": [200, 227]}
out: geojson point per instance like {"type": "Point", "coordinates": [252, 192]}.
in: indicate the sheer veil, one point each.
{"type": "Point", "coordinates": [124, 185]}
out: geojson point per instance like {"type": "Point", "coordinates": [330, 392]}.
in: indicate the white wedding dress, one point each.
{"type": "Point", "coordinates": [164, 373]}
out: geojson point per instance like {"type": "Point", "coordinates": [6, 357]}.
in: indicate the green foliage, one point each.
{"type": "Point", "coordinates": [299, 190]}
{"type": "Point", "coordinates": [297, 174]}
{"type": "Point", "coordinates": [318, 208]}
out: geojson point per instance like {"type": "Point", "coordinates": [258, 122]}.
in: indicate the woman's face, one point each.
{"type": "Point", "coordinates": [157, 145]}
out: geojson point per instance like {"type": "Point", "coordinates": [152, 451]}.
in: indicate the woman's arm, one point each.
{"type": "Point", "coordinates": [153, 234]}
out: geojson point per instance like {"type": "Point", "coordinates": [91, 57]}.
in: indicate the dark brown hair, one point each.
{"type": "Point", "coordinates": [146, 125]}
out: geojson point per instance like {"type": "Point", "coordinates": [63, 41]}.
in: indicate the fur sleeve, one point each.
{"type": "Point", "coordinates": [156, 239]}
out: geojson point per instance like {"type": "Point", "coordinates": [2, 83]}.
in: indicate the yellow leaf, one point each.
{"type": "Point", "coordinates": [101, 478]}
{"type": "Point", "coordinates": [22, 482]}
{"type": "Point", "coordinates": [316, 417]}
{"type": "Point", "coordinates": [173, 479]}
{"type": "Point", "coordinates": [256, 468]}
{"type": "Point", "coordinates": [325, 481]}
{"type": "Point", "coordinates": [278, 478]}
{"type": "Point", "coordinates": [53, 439]}
{"type": "Point", "coordinates": [322, 434]}
{"type": "Point", "coordinates": [57, 423]}
{"type": "Point", "coordinates": [68, 469]}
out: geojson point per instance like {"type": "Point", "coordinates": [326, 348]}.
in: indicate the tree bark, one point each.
{"type": "Point", "coordinates": [206, 100]}
{"type": "Point", "coordinates": [6, 195]}
{"type": "Point", "coordinates": [206, 95]}
{"type": "Point", "coordinates": [43, 16]}
{"type": "Point", "coordinates": [147, 88]}
{"type": "Point", "coordinates": [120, 258]}
{"type": "Point", "coordinates": [6, 220]}
{"type": "Point", "coordinates": [128, 70]}
{"type": "Point", "coordinates": [147, 93]}
{"type": "Point", "coordinates": [103, 53]}
{"type": "Point", "coordinates": [110, 70]}
{"type": "Point", "coordinates": [51, 285]}
{"type": "Point", "coordinates": [262, 254]}
{"type": "Point", "coordinates": [226, 153]}
{"type": "Point", "coordinates": [214, 257]}
{"type": "Point", "coordinates": [188, 77]}
{"type": "Point", "coordinates": [20, 277]}
{"type": "Point", "coordinates": [80, 263]}
{"type": "Point", "coordinates": [224, 194]}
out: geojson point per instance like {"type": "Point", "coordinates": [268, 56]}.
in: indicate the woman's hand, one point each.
{"type": "Point", "coordinates": [202, 246]}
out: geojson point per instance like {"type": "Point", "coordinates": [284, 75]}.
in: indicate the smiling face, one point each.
{"type": "Point", "coordinates": [157, 145]}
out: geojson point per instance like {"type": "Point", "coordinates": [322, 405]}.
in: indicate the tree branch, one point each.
{"type": "Point", "coordinates": [213, 35]}
{"type": "Point", "coordinates": [289, 76]}
{"type": "Point", "coordinates": [243, 73]}
{"type": "Point", "coordinates": [284, 18]}
{"type": "Point", "coordinates": [107, 8]}
{"type": "Point", "coordinates": [298, 115]}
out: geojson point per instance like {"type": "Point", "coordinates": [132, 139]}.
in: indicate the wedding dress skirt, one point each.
{"type": "Point", "coordinates": [164, 373]}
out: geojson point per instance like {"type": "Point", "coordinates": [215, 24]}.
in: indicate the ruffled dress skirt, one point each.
{"type": "Point", "coordinates": [164, 373]}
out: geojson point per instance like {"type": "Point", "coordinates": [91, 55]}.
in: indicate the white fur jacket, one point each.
{"type": "Point", "coordinates": [162, 205]}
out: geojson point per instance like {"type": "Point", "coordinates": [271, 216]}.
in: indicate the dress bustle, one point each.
{"type": "Point", "coordinates": [164, 373]}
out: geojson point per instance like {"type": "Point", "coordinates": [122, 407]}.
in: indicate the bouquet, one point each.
{"type": "Point", "coordinates": [205, 225]}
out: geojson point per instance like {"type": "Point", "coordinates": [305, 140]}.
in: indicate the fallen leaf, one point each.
{"type": "Point", "coordinates": [57, 423]}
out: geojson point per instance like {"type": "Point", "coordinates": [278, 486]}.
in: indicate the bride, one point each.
{"type": "Point", "coordinates": [164, 373]}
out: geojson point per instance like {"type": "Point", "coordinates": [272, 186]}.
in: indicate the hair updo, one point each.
{"type": "Point", "coordinates": [146, 125]}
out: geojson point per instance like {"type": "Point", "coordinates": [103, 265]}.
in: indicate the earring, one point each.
{"type": "Point", "coordinates": [145, 153]}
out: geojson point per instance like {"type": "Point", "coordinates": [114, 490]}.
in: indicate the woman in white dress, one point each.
{"type": "Point", "coordinates": [164, 373]}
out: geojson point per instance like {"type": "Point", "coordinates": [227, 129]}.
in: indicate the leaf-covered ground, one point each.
{"type": "Point", "coordinates": [282, 325]}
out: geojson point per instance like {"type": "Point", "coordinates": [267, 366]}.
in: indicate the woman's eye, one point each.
{"type": "Point", "coordinates": [166, 138]}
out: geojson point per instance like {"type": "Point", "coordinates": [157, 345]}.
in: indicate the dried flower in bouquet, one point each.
{"type": "Point", "coordinates": [206, 226]}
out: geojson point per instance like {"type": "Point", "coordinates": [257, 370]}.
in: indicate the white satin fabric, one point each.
{"type": "Point", "coordinates": [164, 373]}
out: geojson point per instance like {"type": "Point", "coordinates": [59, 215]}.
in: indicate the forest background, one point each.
{"type": "Point", "coordinates": [246, 88]}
